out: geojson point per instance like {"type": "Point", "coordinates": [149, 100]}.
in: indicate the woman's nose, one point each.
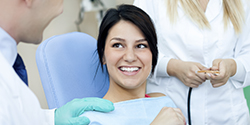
{"type": "Point", "coordinates": [130, 56]}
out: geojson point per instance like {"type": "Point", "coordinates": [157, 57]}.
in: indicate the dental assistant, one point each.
{"type": "Point", "coordinates": [25, 21]}
{"type": "Point", "coordinates": [195, 35]}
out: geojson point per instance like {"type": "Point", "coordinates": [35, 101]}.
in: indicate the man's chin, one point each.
{"type": "Point", "coordinates": [37, 41]}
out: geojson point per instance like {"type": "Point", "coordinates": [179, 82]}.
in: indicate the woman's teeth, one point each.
{"type": "Point", "coordinates": [129, 69]}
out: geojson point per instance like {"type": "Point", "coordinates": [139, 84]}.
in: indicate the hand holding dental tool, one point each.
{"type": "Point", "coordinates": [220, 72]}
{"type": "Point", "coordinates": [186, 72]}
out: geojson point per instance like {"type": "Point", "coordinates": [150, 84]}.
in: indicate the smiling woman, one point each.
{"type": "Point", "coordinates": [127, 46]}
{"type": "Point", "coordinates": [129, 60]}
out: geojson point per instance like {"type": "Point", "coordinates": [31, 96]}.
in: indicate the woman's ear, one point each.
{"type": "Point", "coordinates": [103, 60]}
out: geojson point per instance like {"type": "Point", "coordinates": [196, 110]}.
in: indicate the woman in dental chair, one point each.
{"type": "Point", "coordinates": [127, 45]}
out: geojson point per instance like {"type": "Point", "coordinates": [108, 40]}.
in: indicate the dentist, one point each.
{"type": "Point", "coordinates": [25, 21]}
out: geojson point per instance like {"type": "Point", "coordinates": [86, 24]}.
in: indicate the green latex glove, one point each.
{"type": "Point", "coordinates": [68, 114]}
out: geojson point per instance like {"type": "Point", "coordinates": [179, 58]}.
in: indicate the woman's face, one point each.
{"type": "Point", "coordinates": [127, 55]}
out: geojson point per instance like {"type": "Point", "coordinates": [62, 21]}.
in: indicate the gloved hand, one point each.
{"type": "Point", "coordinates": [68, 114]}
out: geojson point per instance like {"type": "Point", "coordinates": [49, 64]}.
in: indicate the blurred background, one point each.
{"type": "Point", "coordinates": [86, 13]}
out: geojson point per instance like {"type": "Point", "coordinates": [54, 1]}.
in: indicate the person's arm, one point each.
{"type": "Point", "coordinates": [70, 112]}
{"type": "Point", "coordinates": [242, 53]}
{"type": "Point", "coordinates": [236, 69]}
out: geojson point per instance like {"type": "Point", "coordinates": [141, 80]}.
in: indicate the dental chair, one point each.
{"type": "Point", "coordinates": [69, 68]}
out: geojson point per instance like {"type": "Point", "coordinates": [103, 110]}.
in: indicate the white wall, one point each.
{"type": "Point", "coordinates": [60, 25]}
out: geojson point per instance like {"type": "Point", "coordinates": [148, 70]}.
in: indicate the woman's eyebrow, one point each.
{"type": "Point", "coordinates": [123, 40]}
{"type": "Point", "coordinates": [118, 39]}
{"type": "Point", "coordinates": [141, 40]}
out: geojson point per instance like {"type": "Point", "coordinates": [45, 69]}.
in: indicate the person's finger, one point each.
{"type": "Point", "coordinates": [193, 86]}
{"type": "Point", "coordinates": [197, 83]}
{"type": "Point", "coordinates": [214, 68]}
{"type": "Point", "coordinates": [202, 77]}
{"type": "Point", "coordinates": [197, 80]}
{"type": "Point", "coordinates": [222, 68]}
{"type": "Point", "coordinates": [180, 114]}
{"type": "Point", "coordinates": [216, 85]}
{"type": "Point", "coordinates": [208, 76]}
{"type": "Point", "coordinates": [201, 66]}
{"type": "Point", "coordinates": [191, 81]}
{"type": "Point", "coordinates": [93, 104]}
{"type": "Point", "coordinates": [216, 64]}
{"type": "Point", "coordinates": [79, 121]}
{"type": "Point", "coordinates": [206, 68]}
{"type": "Point", "coordinates": [216, 77]}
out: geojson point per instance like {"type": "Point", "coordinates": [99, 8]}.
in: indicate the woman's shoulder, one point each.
{"type": "Point", "coordinates": [246, 4]}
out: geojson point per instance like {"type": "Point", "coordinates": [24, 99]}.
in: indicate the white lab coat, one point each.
{"type": "Point", "coordinates": [18, 104]}
{"type": "Point", "coordinates": [184, 40]}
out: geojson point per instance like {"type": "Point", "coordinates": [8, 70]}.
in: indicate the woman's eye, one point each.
{"type": "Point", "coordinates": [117, 45]}
{"type": "Point", "coordinates": [141, 46]}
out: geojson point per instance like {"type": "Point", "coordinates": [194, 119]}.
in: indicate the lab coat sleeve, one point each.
{"type": "Point", "coordinates": [162, 64]}
{"type": "Point", "coordinates": [160, 68]}
{"type": "Point", "coordinates": [13, 113]}
{"type": "Point", "coordinates": [7, 117]}
{"type": "Point", "coordinates": [242, 54]}
{"type": "Point", "coordinates": [18, 104]}
{"type": "Point", "coordinates": [50, 116]}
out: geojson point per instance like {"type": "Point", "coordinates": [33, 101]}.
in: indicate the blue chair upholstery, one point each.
{"type": "Point", "coordinates": [69, 68]}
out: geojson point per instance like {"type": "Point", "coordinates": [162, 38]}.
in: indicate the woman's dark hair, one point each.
{"type": "Point", "coordinates": [134, 15]}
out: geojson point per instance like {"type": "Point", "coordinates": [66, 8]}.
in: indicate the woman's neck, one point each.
{"type": "Point", "coordinates": [204, 4]}
{"type": "Point", "coordinates": [117, 94]}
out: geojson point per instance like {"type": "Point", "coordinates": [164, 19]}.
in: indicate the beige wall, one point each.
{"type": "Point", "coordinates": [62, 24]}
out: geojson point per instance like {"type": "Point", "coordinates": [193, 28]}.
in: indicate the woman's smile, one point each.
{"type": "Point", "coordinates": [129, 70]}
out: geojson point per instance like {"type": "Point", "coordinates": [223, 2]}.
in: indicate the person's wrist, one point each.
{"type": "Point", "coordinates": [232, 66]}
{"type": "Point", "coordinates": [172, 66]}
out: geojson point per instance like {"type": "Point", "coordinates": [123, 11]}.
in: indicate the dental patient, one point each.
{"type": "Point", "coordinates": [127, 46]}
